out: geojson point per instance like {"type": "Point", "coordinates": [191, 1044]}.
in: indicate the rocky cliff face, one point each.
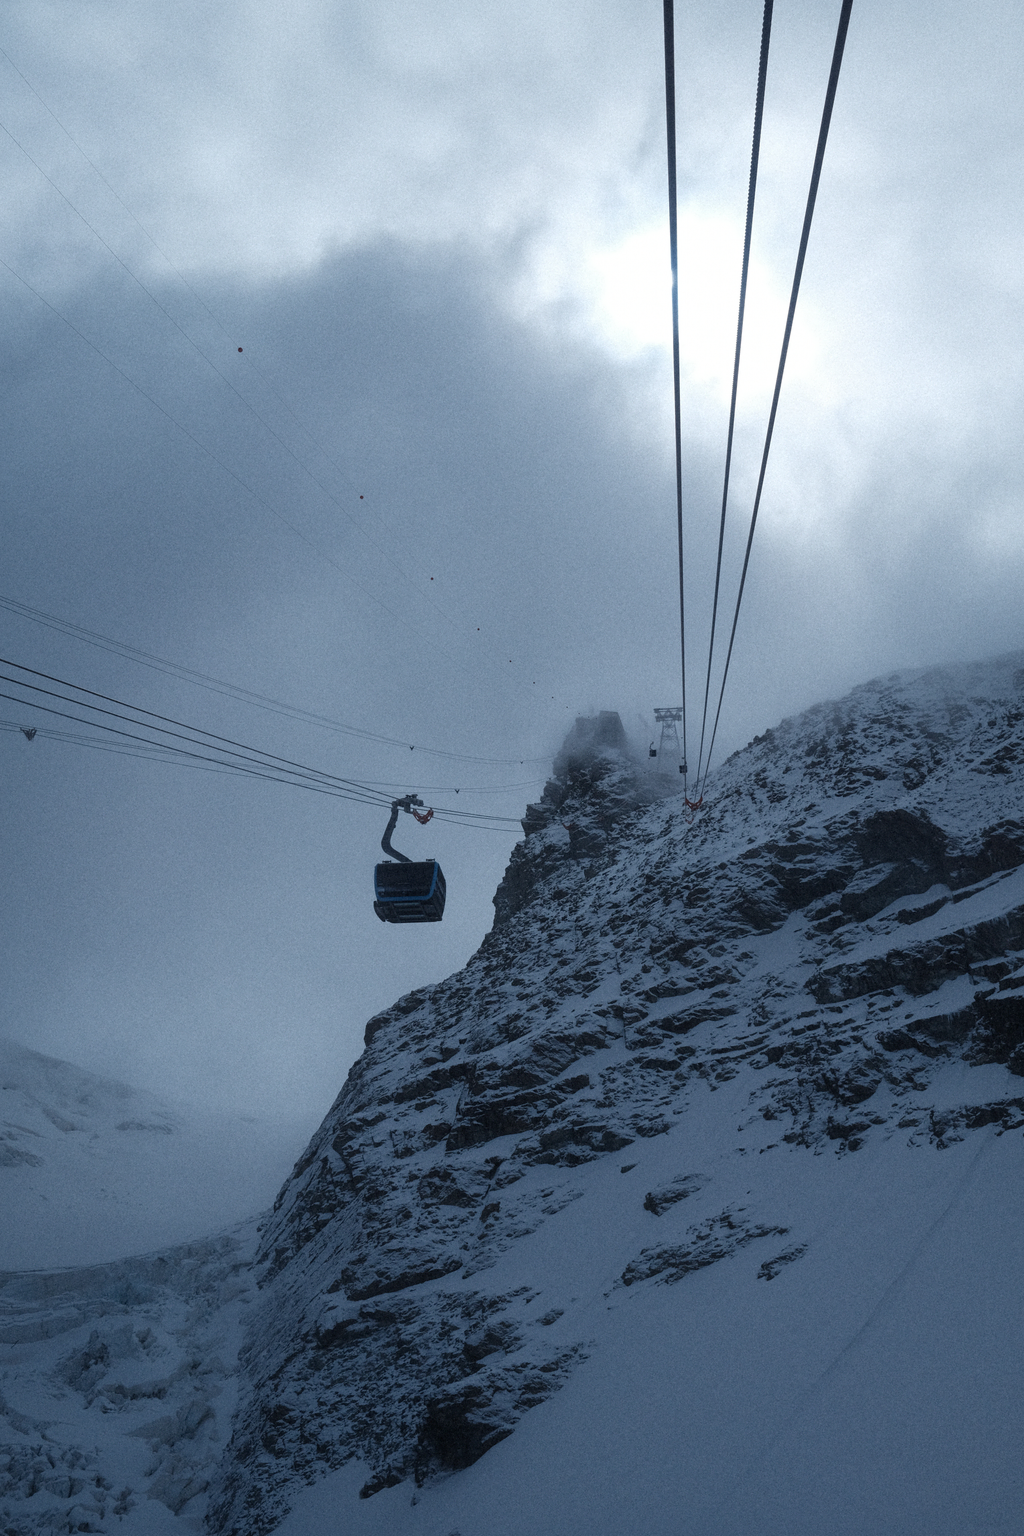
{"type": "Point", "coordinates": [834, 945]}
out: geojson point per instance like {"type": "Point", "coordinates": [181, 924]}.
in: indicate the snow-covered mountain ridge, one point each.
{"type": "Point", "coordinates": [688, 1040]}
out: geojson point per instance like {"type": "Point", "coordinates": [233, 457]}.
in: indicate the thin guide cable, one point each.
{"type": "Point", "coordinates": [232, 690]}
{"type": "Point", "coordinates": [233, 754]}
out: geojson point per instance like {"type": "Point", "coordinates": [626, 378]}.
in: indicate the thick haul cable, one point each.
{"type": "Point", "coordinates": [819, 156]}
{"type": "Point", "coordinates": [673, 236]}
{"type": "Point", "coordinates": [755, 153]}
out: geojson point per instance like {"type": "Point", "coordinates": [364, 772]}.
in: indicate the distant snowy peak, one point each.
{"type": "Point", "coordinates": [43, 1098]}
{"type": "Point", "coordinates": [833, 947]}
{"type": "Point", "coordinates": [92, 1169]}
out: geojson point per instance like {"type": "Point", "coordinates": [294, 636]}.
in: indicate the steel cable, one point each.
{"type": "Point", "coordinates": [762, 75]}
{"type": "Point", "coordinates": [673, 236]}
{"type": "Point", "coordinates": [232, 754]}
{"type": "Point", "coordinates": [819, 156]}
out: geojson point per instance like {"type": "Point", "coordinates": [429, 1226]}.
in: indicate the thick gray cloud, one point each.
{"type": "Point", "coordinates": [438, 234]}
{"type": "Point", "coordinates": [503, 569]}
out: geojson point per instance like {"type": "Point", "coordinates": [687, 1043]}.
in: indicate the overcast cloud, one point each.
{"type": "Point", "coordinates": [434, 495]}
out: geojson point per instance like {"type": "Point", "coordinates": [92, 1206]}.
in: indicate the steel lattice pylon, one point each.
{"type": "Point", "coordinates": [669, 743]}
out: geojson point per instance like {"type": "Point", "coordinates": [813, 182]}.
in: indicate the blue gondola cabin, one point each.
{"type": "Point", "coordinates": [409, 893]}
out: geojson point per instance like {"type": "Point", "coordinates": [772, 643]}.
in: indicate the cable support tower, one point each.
{"type": "Point", "coordinates": [669, 743]}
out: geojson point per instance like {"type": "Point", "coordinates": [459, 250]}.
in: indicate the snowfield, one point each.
{"type": "Point", "coordinates": [692, 1206]}
{"type": "Point", "coordinates": [873, 1385]}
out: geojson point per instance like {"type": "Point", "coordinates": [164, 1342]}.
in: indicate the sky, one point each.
{"type": "Point", "coordinates": [432, 497]}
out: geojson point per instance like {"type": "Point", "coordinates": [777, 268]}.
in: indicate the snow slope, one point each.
{"type": "Point", "coordinates": [693, 1203]}
{"type": "Point", "coordinates": [873, 1386]}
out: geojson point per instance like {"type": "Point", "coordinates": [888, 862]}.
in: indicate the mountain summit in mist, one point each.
{"type": "Point", "coordinates": [691, 1205]}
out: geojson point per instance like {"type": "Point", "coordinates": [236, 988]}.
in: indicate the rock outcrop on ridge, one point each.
{"type": "Point", "coordinates": [838, 929]}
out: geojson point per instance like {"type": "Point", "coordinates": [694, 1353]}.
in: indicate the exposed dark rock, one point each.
{"type": "Point", "coordinates": [458, 1429]}
{"type": "Point", "coordinates": [574, 1144]}
{"type": "Point", "coordinates": [876, 887]}
{"type": "Point", "coordinates": [1000, 1034]}
{"type": "Point", "coordinates": [921, 968]}
{"type": "Point", "coordinates": [850, 1131]}
{"type": "Point", "coordinates": [946, 1126]}
{"type": "Point", "coordinates": [919, 913]}
{"type": "Point", "coordinates": [714, 1240]}
{"type": "Point", "coordinates": [855, 1085]}
{"type": "Point", "coordinates": [770, 1268]}
{"type": "Point", "coordinates": [464, 1422]}
{"type": "Point", "coordinates": [997, 848]}
{"type": "Point", "coordinates": [901, 837]}
{"type": "Point", "coordinates": [903, 1040]}
{"type": "Point", "coordinates": [659, 1200]}
{"type": "Point", "coordinates": [396, 1270]}
{"type": "Point", "coordinates": [486, 1119]}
